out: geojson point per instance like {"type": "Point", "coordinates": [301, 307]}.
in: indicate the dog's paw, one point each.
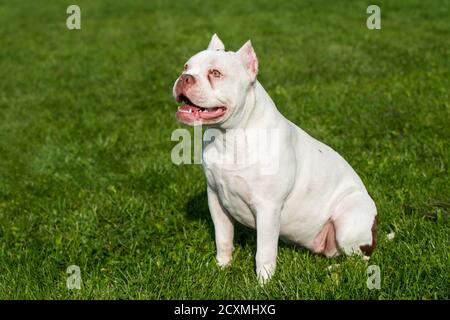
{"type": "Point", "coordinates": [264, 273]}
{"type": "Point", "coordinates": [223, 261]}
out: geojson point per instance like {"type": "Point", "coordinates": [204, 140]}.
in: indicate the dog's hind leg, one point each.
{"type": "Point", "coordinates": [355, 223]}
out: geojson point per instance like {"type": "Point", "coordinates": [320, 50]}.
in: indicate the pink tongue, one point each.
{"type": "Point", "coordinates": [212, 113]}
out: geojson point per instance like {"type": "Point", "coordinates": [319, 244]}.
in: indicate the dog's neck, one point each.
{"type": "Point", "coordinates": [259, 112]}
{"type": "Point", "coordinates": [258, 108]}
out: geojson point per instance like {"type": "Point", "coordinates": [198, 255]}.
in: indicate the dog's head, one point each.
{"type": "Point", "coordinates": [214, 84]}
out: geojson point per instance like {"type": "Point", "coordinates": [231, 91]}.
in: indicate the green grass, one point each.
{"type": "Point", "coordinates": [85, 124]}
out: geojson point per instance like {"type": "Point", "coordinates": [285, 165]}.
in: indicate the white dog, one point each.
{"type": "Point", "coordinates": [311, 196]}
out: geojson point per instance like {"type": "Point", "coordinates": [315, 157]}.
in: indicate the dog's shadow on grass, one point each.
{"type": "Point", "coordinates": [197, 210]}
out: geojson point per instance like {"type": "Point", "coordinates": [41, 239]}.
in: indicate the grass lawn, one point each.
{"type": "Point", "coordinates": [86, 118]}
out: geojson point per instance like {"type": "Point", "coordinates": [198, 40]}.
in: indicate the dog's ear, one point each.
{"type": "Point", "coordinates": [216, 44]}
{"type": "Point", "coordinates": [249, 59]}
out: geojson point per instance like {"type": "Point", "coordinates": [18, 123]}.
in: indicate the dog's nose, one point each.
{"type": "Point", "coordinates": [185, 81]}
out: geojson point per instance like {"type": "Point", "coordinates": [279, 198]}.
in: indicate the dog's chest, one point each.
{"type": "Point", "coordinates": [232, 188]}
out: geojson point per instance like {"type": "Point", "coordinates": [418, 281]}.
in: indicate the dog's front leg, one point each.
{"type": "Point", "coordinates": [268, 231]}
{"type": "Point", "coordinates": [223, 228]}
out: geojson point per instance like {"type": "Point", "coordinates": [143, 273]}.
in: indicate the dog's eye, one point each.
{"type": "Point", "coordinates": [215, 73]}
{"type": "Point", "coordinates": [185, 67]}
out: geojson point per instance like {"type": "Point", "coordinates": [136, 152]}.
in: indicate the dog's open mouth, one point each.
{"type": "Point", "coordinates": [190, 112]}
